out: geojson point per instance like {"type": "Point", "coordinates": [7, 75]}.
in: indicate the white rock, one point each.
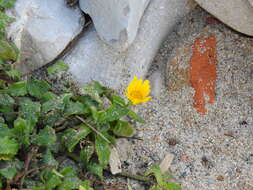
{"type": "Point", "coordinates": [114, 162]}
{"type": "Point", "coordinates": [238, 14]}
{"type": "Point", "coordinates": [166, 163]}
{"type": "Point", "coordinates": [92, 59]}
{"type": "Point", "coordinates": [42, 30]}
{"type": "Point", "coordinates": [116, 21]}
{"type": "Point", "coordinates": [251, 2]}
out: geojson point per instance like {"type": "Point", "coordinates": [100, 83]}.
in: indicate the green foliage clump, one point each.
{"type": "Point", "coordinates": [76, 125]}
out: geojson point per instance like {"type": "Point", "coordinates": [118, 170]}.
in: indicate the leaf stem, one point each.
{"type": "Point", "coordinates": [135, 177]}
{"type": "Point", "coordinates": [92, 128]}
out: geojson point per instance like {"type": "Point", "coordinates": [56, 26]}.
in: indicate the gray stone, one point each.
{"type": "Point", "coordinates": [251, 2]}
{"type": "Point", "coordinates": [92, 59]}
{"type": "Point", "coordinates": [238, 14]}
{"type": "Point", "coordinates": [116, 21]}
{"type": "Point", "coordinates": [42, 30]}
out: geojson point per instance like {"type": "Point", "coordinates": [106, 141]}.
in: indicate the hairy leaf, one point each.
{"type": "Point", "coordinates": [14, 74]}
{"type": "Point", "coordinates": [156, 171]}
{"type": "Point", "coordinates": [74, 108]}
{"type": "Point", "coordinates": [8, 148]}
{"type": "Point", "coordinates": [103, 151]}
{"type": "Point", "coordinates": [86, 153]}
{"type": "Point", "coordinates": [18, 88]}
{"type": "Point", "coordinates": [7, 4]}
{"type": "Point", "coordinates": [57, 67]}
{"type": "Point", "coordinates": [6, 103]}
{"type": "Point", "coordinates": [46, 137]}
{"type": "Point", "coordinates": [30, 110]}
{"type": "Point", "coordinates": [22, 130]}
{"type": "Point", "coordinates": [37, 88]}
{"type": "Point", "coordinates": [135, 117]}
{"type": "Point", "coordinates": [114, 112]}
{"type": "Point", "coordinates": [7, 51]}
{"type": "Point", "coordinates": [172, 186]}
{"type": "Point", "coordinates": [49, 160]}
{"type": "Point", "coordinates": [124, 129]}
{"type": "Point", "coordinates": [72, 137]}
{"type": "Point", "coordinates": [95, 169]}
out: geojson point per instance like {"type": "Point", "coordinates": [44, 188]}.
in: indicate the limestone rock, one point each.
{"type": "Point", "coordinates": [251, 2]}
{"type": "Point", "coordinates": [42, 30]}
{"type": "Point", "coordinates": [238, 14]}
{"type": "Point", "coordinates": [92, 59]}
{"type": "Point", "coordinates": [116, 21]}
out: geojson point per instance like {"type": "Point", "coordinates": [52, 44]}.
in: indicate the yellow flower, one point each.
{"type": "Point", "coordinates": [138, 91]}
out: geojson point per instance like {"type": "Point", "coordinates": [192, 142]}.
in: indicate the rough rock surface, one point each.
{"type": "Point", "coordinates": [42, 30]}
{"type": "Point", "coordinates": [251, 2]}
{"type": "Point", "coordinates": [237, 14]}
{"type": "Point", "coordinates": [92, 59]}
{"type": "Point", "coordinates": [116, 22]}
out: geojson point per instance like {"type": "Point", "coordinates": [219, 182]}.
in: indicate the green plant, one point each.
{"type": "Point", "coordinates": [162, 179]}
{"type": "Point", "coordinates": [39, 126]}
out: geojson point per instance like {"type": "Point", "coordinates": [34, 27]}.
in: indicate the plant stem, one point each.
{"type": "Point", "coordinates": [135, 177]}
{"type": "Point", "coordinates": [92, 128]}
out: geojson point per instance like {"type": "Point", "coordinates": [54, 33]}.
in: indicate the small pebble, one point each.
{"type": "Point", "coordinates": [172, 142]}
{"type": "Point", "coordinates": [220, 178]}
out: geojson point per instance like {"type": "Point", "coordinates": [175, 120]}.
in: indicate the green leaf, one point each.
{"type": "Point", "coordinates": [6, 103]}
{"type": "Point", "coordinates": [95, 90]}
{"type": "Point", "coordinates": [4, 21]}
{"type": "Point", "coordinates": [18, 88]}
{"type": "Point", "coordinates": [7, 4]}
{"type": "Point", "coordinates": [22, 130]}
{"type": "Point", "coordinates": [53, 105]}
{"type": "Point", "coordinates": [114, 112]}
{"type": "Point", "coordinates": [71, 181]}
{"type": "Point", "coordinates": [2, 84]}
{"type": "Point", "coordinates": [124, 129]}
{"type": "Point", "coordinates": [135, 117]}
{"type": "Point", "coordinates": [155, 187]}
{"type": "Point", "coordinates": [118, 100]}
{"type": "Point", "coordinates": [85, 185]}
{"type": "Point", "coordinates": [46, 137]}
{"type": "Point", "coordinates": [49, 160]}
{"type": "Point", "coordinates": [103, 151]}
{"type": "Point", "coordinates": [14, 74]}
{"type": "Point", "coordinates": [57, 67]}
{"type": "Point", "coordinates": [52, 181]}
{"type": "Point", "coordinates": [29, 110]}
{"type": "Point", "coordinates": [156, 171]}
{"type": "Point", "coordinates": [74, 108]}
{"type": "Point", "coordinates": [8, 148]}
{"type": "Point", "coordinates": [86, 153]}
{"type": "Point", "coordinates": [9, 171]}
{"type": "Point", "coordinates": [172, 186]}
{"type": "Point", "coordinates": [129, 187]}
{"type": "Point", "coordinates": [4, 130]}
{"type": "Point", "coordinates": [37, 88]}
{"type": "Point", "coordinates": [48, 96]}
{"type": "Point", "coordinates": [7, 51]}
{"type": "Point", "coordinates": [95, 169]}
{"type": "Point", "coordinates": [72, 136]}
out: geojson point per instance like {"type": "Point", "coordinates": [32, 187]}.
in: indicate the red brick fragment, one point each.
{"type": "Point", "coordinates": [212, 20]}
{"type": "Point", "coordinates": [203, 71]}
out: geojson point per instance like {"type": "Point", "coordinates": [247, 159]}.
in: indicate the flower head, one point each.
{"type": "Point", "coordinates": [138, 91]}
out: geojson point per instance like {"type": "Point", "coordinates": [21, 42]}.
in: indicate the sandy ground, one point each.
{"type": "Point", "coordinates": [212, 151]}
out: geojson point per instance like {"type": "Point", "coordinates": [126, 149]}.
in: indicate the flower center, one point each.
{"type": "Point", "coordinates": [136, 94]}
